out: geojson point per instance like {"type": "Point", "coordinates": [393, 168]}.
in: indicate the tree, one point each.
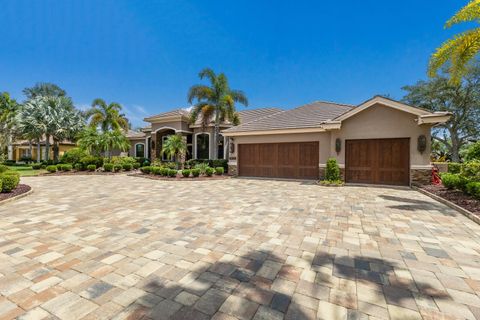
{"type": "Point", "coordinates": [90, 141]}
{"type": "Point", "coordinates": [32, 122]}
{"type": "Point", "coordinates": [215, 102]}
{"type": "Point", "coordinates": [8, 109]}
{"type": "Point", "coordinates": [174, 146]}
{"type": "Point", "coordinates": [462, 48]}
{"type": "Point", "coordinates": [44, 89]}
{"type": "Point", "coordinates": [107, 116]}
{"type": "Point", "coordinates": [461, 99]}
{"type": "Point", "coordinates": [95, 142]}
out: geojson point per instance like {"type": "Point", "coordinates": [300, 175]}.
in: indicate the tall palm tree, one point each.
{"type": "Point", "coordinates": [215, 102]}
{"type": "Point", "coordinates": [90, 141]}
{"type": "Point", "coordinates": [32, 122]}
{"type": "Point", "coordinates": [44, 89]}
{"type": "Point", "coordinates": [114, 139]}
{"type": "Point", "coordinates": [107, 116]}
{"type": "Point", "coordinates": [8, 109]}
{"type": "Point", "coordinates": [174, 146]}
{"type": "Point", "coordinates": [460, 49]}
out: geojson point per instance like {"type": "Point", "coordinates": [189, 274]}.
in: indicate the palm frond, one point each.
{"type": "Point", "coordinates": [470, 12]}
{"type": "Point", "coordinates": [99, 103]}
{"type": "Point", "coordinates": [208, 73]}
{"type": "Point", "coordinates": [199, 92]}
{"type": "Point", "coordinates": [239, 96]}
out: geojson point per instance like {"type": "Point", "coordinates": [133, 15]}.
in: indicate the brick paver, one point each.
{"type": "Point", "coordinates": [118, 247]}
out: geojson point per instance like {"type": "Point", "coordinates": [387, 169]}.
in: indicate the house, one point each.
{"type": "Point", "coordinates": [23, 149]}
{"type": "Point", "coordinates": [380, 141]}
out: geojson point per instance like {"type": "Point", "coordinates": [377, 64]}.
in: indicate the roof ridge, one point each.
{"type": "Point", "coordinates": [329, 102]}
{"type": "Point", "coordinates": [267, 116]}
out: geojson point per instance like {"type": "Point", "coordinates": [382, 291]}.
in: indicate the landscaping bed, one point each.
{"type": "Point", "coordinates": [179, 177]}
{"type": "Point", "coordinates": [19, 190]}
{"type": "Point", "coordinates": [457, 197]}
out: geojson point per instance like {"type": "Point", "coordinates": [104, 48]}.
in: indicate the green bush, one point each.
{"type": "Point", "coordinates": [219, 171]}
{"type": "Point", "coordinates": [450, 180]}
{"type": "Point", "coordinates": [73, 155]}
{"type": "Point", "coordinates": [91, 167]}
{"type": "Point", "coordinates": [36, 166]}
{"type": "Point", "coordinates": [473, 152]}
{"type": "Point", "coordinates": [89, 160]}
{"type": "Point", "coordinates": [164, 171]}
{"type": "Point", "coordinates": [202, 167]}
{"type": "Point", "coordinates": [136, 165]}
{"type": "Point", "coordinates": [127, 166]}
{"type": "Point", "coordinates": [473, 189]}
{"type": "Point", "coordinates": [156, 170]}
{"type": "Point", "coordinates": [454, 167]}
{"type": "Point", "coordinates": [66, 167]}
{"type": "Point", "coordinates": [43, 166]}
{"type": "Point", "coordinates": [471, 170]}
{"type": "Point", "coordinates": [9, 182]}
{"type": "Point", "coordinates": [172, 173]}
{"type": "Point", "coordinates": [108, 167]}
{"type": "Point", "coordinates": [220, 163]}
{"type": "Point", "coordinates": [195, 172]}
{"type": "Point", "coordinates": [146, 169]}
{"type": "Point", "coordinates": [332, 171]}
{"type": "Point", "coordinates": [117, 167]}
{"type": "Point", "coordinates": [123, 160]}
{"type": "Point", "coordinates": [186, 173]}
{"type": "Point", "coordinates": [209, 171]}
{"type": "Point", "coordinates": [52, 169]}
{"type": "Point", "coordinates": [3, 168]}
{"type": "Point", "coordinates": [79, 167]}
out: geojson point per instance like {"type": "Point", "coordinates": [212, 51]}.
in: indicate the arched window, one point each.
{"type": "Point", "coordinates": [221, 147]}
{"type": "Point", "coordinates": [140, 150]}
{"type": "Point", "coordinates": [203, 145]}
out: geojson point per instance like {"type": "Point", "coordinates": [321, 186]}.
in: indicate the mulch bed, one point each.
{"type": "Point", "coordinates": [465, 201]}
{"type": "Point", "coordinates": [80, 173]}
{"type": "Point", "coordinates": [20, 189]}
{"type": "Point", "coordinates": [179, 177]}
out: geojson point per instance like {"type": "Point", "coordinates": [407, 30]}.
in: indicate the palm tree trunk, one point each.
{"type": "Point", "coordinates": [9, 147]}
{"type": "Point", "coordinates": [30, 145]}
{"type": "Point", "coordinates": [215, 135]}
{"type": "Point", "coordinates": [38, 151]}
{"type": "Point", "coordinates": [47, 147]}
{"type": "Point", "coordinates": [55, 150]}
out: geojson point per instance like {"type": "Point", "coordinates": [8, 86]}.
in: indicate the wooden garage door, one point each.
{"type": "Point", "coordinates": [378, 161]}
{"type": "Point", "coordinates": [297, 160]}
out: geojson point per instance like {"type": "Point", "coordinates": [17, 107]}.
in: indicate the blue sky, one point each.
{"type": "Point", "coordinates": [146, 54]}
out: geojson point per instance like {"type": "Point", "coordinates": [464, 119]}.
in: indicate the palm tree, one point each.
{"type": "Point", "coordinates": [113, 140]}
{"type": "Point", "coordinates": [215, 102]}
{"type": "Point", "coordinates": [44, 89]}
{"type": "Point", "coordinates": [460, 49]}
{"type": "Point", "coordinates": [173, 146]}
{"type": "Point", "coordinates": [8, 109]}
{"type": "Point", "coordinates": [68, 124]}
{"type": "Point", "coordinates": [107, 116]}
{"type": "Point", "coordinates": [32, 121]}
{"type": "Point", "coordinates": [90, 141]}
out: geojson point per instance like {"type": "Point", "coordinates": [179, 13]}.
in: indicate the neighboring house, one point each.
{"type": "Point", "coordinates": [380, 141]}
{"type": "Point", "coordinates": [22, 149]}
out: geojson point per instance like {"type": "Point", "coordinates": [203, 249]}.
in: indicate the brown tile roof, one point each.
{"type": "Point", "coordinates": [250, 115]}
{"type": "Point", "coordinates": [307, 116]}
{"type": "Point", "coordinates": [135, 134]}
{"type": "Point", "coordinates": [172, 113]}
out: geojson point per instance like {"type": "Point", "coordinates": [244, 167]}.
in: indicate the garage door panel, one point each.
{"type": "Point", "coordinates": [279, 160]}
{"type": "Point", "coordinates": [379, 161]}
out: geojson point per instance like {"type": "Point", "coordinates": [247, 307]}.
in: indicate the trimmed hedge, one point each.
{"type": "Point", "coordinates": [195, 172]}
{"type": "Point", "coordinates": [332, 171]}
{"type": "Point", "coordinates": [146, 169]}
{"type": "Point", "coordinates": [128, 166]}
{"type": "Point", "coordinates": [117, 167]}
{"type": "Point", "coordinates": [454, 167]}
{"type": "Point", "coordinates": [219, 171]}
{"type": "Point", "coordinates": [136, 166]}
{"type": "Point", "coordinates": [172, 173]}
{"type": "Point", "coordinates": [108, 167]}
{"type": "Point", "coordinates": [186, 173]}
{"type": "Point", "coordinates": [66, 167]}
{"type": "Point", "coordinates": [78, 167]}
{"type": "Point", "coordinates": [36, 166]}
{"type": "Point", "coordinates": [9, 182]}
{"type": "Point", "coordinates": [3, 168]}
{"type": "Point", "coordinates": [156, 170]}
{"type": "Point", "coordinates": [209, 171]}
{"type": "Point", "coordinates": [52, 169]}
{"type": "Point", "coordinates": [473, 189]}
{"type": "Point", "coordinates": [91, 167]}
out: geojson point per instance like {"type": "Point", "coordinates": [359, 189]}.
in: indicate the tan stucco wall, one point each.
{"type": "Point", "coordinates": [62, 148]}
{"type": "Point", "coordinates": [177, 125]}
{"type": "Point", "coordinates": [383, 122]}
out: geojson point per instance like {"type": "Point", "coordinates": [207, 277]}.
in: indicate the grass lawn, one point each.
{"type": "Point", "coordinates": [26, 171]}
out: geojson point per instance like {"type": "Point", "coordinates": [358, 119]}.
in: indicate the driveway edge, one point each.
{"type": "Point", "coordinates": [452, 205]}
{"type": "Point", "coordinates": [17, 197]}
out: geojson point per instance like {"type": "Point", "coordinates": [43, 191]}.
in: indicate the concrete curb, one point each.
{"type": "Point", "coordinates": [17, 197]}
{"type": "Point", "coordinates": [452, 205]}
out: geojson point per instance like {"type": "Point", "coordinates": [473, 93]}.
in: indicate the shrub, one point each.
{"type": "Point", "coordinates": [146, 163]}
{"type": "Point", "coordinates": [450, 180]}
{"type": "Point", "coordinates": [195, 172]}
{"type": "Point", "coordinates": [172, 173]}
{"type": "Point", "coordinates": [91, 167]}
{"type": "Point", "coordinates": [73, 155]}
{"type": "Point", "coordinates": [220, 163]}
{"type": "Point", "coordinates": [454, 167]}
{"type": "Point", "coordinates": [471, 170]}
{"type": "Point", "coordinates": [79, 167]}
{"type": "Point", "coordinates": [52, 169]}
{"type": "Point", "coordinates": [36, 166]}
{"type": "Point", "coordinates": [332, 171]}
{"type": "Point", "coordinates": [89, 160]}
{"type": "Point", "coordinates": [127, 166]}
{"type": "Point", "coordinates": [146, 169]}
{"type": "Point", "coordinates": [202, 167]}
{"type": "Point", "coordinates": [473, 152]}
{"type": "Point", "coordinates": [209, 171]}
{"type": "Point", "coordinates": [43, 166]}
{"type": "Point", "coordinates": [136, 165]}
{"type": "Point", "coordinates": [66, 167]}
{"type": "Point", "coordinates": [219, 171]}
{"type": "Point", "coordinates": [117, 167]}
{"type": "Point", "coordinates": [186, 173]}
{"type": "Point", "coordinates": [473, 189]}
{"type": "Point", "coordinates": [156, 170]}
{"type": "Point", "coordinates": [108, 167]}
{"type": "Point", "coordinates": [164, 171]}
{"type": "Point", "coordinates": [9, 162]}
{"type": "Point", "coordinates": [9, 182]}
{"type": "Point", "coordinates": [3, 168]}
{"type": "Point", "coordinates": [122, 160]}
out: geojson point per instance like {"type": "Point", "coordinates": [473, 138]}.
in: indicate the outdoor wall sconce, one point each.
{"type": "Point", "coordinates": [232, 146]}
{"type": "Point", "coordinates": [338, 145]}
{"type": "Point", "coordinates": [422, 143]}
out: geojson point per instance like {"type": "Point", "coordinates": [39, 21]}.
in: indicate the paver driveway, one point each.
{"type": "Point", "coordinates": [100, 247]}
